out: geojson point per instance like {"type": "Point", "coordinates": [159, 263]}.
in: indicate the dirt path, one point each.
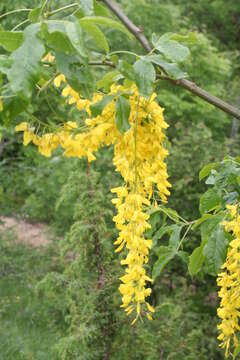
{"type": "Point", "coordinates": [27, 233]}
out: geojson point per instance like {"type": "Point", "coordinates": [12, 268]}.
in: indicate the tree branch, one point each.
{"type": "Point", "coordinates": [186, 84]}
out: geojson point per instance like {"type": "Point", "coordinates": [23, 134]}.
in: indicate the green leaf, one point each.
{"type": "Point", "coordinates": [161, 232]}
{"type": "Point", "coordinates": [12, 107]}
{"type": "Point", "coordinates": [175, 236]}
{"type": "Point", "coordinates": [145, 77]}
{"type": "Point", "coordinates": [236, 352]}
{"type": "Point", "coordinates": [127, 70]}
{"type": "Point", "coordinates": [201, 220]}
{"type": "Point", "coordinates": [172, 69]}
{"type": "Point", "coordinates": [11, 40]}
{"type": "Point", "coordinates": [209, 200]}
{"type": "Point", "coordinates": [208, 226]}
{"type": "Point", "coordinates": [171, 213]}
{"type": "Point", "coordinates": [5, 64]}
{"type": "Point", "coordinates": [87, 6]}
{"type": "Point", "coordinates": [96, 36]}
{"type": "Point", "coordinates": [79, 77]}
{"type": "Point", "coordinates": [34, 15]}
{"type": "Point", "coordinates": [207, 169]}
{"type": "Point", "coordinates": [104, 21]}
{"type": "Point", "coordinates": [56, 37]}
{"type": "Point", "coordinates": [190, 38]}
{"type": "Point", "coordinates": [215, 250]}
{"type": "Point", "coordinates": [122, 109]}
{"type": "Point", "coordinates": [165, 254]}
{"type": "Point", "coordinates": [171, 49]}
{"type": "Point", "coordinates": [75, 35]}
{"type": "Point", "coordinates": [97, 108]}
{"type": "Point", "coordinates": [65, 36]}
{"type": "Point", "coordinates": [196, 261]}
{"type": "Point", "coordinates": [100, 10]}
{"type": "Point", "coordinates": [25, 70]}
{"type": "Point", "coordinates": [108, 79]}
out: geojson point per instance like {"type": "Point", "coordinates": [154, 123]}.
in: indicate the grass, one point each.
{"type": "Point", "coordinates": [25, 332]}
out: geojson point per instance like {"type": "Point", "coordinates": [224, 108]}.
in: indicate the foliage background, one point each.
{"type": "Point", "coordinates": [76, 302]}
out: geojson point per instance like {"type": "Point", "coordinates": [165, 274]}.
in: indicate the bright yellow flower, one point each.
{"type": "Point", "coordinates": [229, 283]}
{"type": "Point", "coordinates": [139, 156]}
{"type": "Point", "coordinates": [22, 126]}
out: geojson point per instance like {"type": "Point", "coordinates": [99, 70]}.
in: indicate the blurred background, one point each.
{"type": "Point", "coordinates": [59, 274]}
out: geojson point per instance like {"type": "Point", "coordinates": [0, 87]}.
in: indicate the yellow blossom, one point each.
{"type": "Point", "coordinates": [229, 283]}
{"type": "Point", "coordinates": [139, 156]}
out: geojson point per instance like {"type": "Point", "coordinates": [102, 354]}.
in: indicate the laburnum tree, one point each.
{"type": "Point", "coordinates": [66, 49]}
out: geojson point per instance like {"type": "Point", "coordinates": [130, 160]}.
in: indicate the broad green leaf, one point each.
{"type": "Point", "coordinates": [190, 38]}
{"type": "Point", "coordinates": [201, 220]}
{"type": "Point", "coordinates": [80, 77]}
{"type": "Point", "coordinates": [5, 64]}
{"type": "Point", "coordinates": [165, 254]}
{"type": "Point", "coordinates": [34, 14]}
{"type": "Point", "coordinates": [215, 250]}
{"type": "Point", "coordinates": [206, 170]}
{"type": "Point", "coordinates": [171, 49]}
{"type": "Point", "coordinates": [209, 200]}
{"type": "Point", "coordinates": [100, 10]}
{"type": "Point", "coordinates": [155, 221]}
{"type": "Point", "coordinates": [84, 83]}
{"type": "Point", "coordinates": [75, 35]}
{"type": "Point", "coordinates": [209, 225]}
{"type": "Point", "coordinates": [122, 109]}
{"type": "Point", "coordinates": [212, 178]}
{"type": "Point", "coordinates": [175, 236]}
{"type": "Point", "coordinates": [171, 213]}
{"type": "Point", "coordinates": [25, 70]}
{"type": "Point", "coordinates": [96, 36]}
{"type": "Point", "coordinates": [97, 108]}
{"type": "Point", "coordinates": [11, 40]}
{"type": "Point", "coordinates": [145, 77]}
{"type": "Point", "coordinates": [56, 37]}
{"type": "Point", "coordinates": [196, 261]}
{"type": "Point", "coordinates": [172, 69]}
{"type": "Point", "coordinates": [104, 21]}
{"type": "Point", "coordinates": [65, 36]}
{"type": "Point", "coordinates": [87, 6]}
{"type": "Point", "coordinates": [161, 232]}
{"type": "Point", "coordinates": [127, 70]}
{"type": "Point", "coordinates": [108, 79]}
{"type": "Point", "coordinates": [12, 107]}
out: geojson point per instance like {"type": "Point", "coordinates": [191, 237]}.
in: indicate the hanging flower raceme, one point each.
{"type": "Point", "coordinates": [229, 282]}
{"type": "Point", "coordinates": [139, 156]}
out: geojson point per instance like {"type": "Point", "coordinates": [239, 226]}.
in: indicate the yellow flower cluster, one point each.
{"type": "Point", "coordinates": [139, 155]}
{"type": "Point", "coordinates": [229, 282]}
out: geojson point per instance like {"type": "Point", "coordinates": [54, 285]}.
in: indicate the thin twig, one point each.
{"type": "Point", "coordinates": [186, 84]}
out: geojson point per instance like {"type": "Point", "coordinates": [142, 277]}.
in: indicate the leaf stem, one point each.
{"type": "Point", "coordinates": [62, 9]}
{"type": "Point", "coordinates": [18, 25]}
{"type": "Point", "coordinates": [122, 52]}
{"type": "Point", "coordinates": [13, 12]}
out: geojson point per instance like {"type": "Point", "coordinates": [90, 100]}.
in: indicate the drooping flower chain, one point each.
{"type": "Point", "coordinates": [229, 282]}
{"type": "Point", "coordinates": [139, 155]}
